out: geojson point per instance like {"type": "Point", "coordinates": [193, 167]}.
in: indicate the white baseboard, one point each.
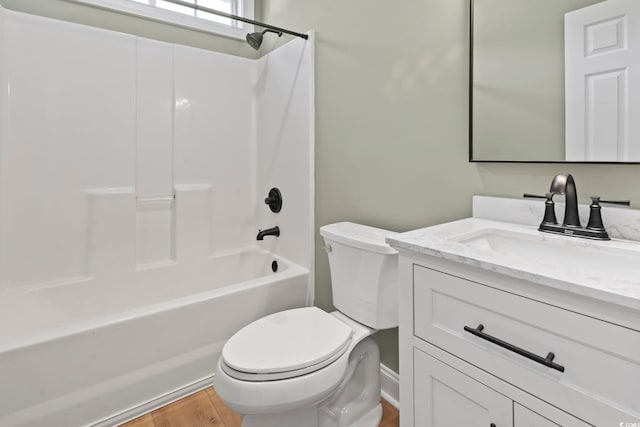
{"type": "Point", "coordinates": [151, 405]}
{"type": "Point", "coordinates": [390, 384]}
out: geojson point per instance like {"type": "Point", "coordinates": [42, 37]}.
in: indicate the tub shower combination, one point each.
{"type": "Point", "coordinates": [131, 192]}
{"type": "Point", "coordinates": [89, 351]}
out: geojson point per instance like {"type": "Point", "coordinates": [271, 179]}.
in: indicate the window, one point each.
{"type": "Point", "coordinates": [165, 11]}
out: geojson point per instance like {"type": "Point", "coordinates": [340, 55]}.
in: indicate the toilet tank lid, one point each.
{"type": "Point", "coordinates": [359, 236]}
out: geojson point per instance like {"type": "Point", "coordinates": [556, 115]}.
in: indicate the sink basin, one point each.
{"type": "Point", "coordinates": [592, 258]}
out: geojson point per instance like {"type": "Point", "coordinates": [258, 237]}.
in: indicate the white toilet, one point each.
{"type": "Point", "coordinates": [308, 368]}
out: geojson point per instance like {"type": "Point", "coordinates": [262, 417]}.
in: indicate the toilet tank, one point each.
{"type": "Point", "coordinates": [364, 273]}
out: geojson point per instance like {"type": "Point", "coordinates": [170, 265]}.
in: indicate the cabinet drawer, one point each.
{"type": "Point", "coordinates": [595, 373]}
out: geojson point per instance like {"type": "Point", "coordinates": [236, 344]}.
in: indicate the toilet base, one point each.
{"type": "Point", "coordinates": [354, 403]}
{"type": "Point", "coordinates": [371, 418]}
{"type": "Point", "coordinates": [310, 417]}
{"type": "Point", "coordinates": [301, 417]}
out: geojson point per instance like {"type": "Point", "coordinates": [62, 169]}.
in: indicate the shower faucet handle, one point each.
{"type": "Point", "coordinates": [274, 200]}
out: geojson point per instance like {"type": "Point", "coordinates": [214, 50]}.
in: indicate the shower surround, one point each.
{"type": "Point", "coordinates": [132, 182]}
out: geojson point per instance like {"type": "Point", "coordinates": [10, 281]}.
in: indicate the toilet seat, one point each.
{"type": "Point", "coordinates": [285, 345]}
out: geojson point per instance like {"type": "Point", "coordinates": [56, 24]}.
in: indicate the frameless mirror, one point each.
{"type": "Point", "coordinates": [555, 81]}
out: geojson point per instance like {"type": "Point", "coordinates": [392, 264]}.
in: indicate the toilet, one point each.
{"type": "Point", "coordinates": [309, 368]}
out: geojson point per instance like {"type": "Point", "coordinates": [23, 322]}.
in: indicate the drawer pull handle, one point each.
{"type": "Point", "coordinates": [546, 361]}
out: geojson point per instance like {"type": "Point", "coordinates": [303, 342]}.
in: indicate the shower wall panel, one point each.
{"type": "Point", "coordinates": [154, 130]}
{"type": "Point", "coordinates": [104, 135]}
{"type": "Point", "coordinates": [284, 85]}
{"type": "Point", "coordinates": [214, 142]}
{"type": "Point", "coordinates": [155, 205]}
{"type": "Point", "coordinates": [71, 122]}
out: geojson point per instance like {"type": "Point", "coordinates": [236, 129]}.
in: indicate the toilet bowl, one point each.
{"type": "Point", "coordinates": [309, 368]}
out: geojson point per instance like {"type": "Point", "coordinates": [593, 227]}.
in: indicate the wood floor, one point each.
{"type": "Point", "coordinates": [205, 409]}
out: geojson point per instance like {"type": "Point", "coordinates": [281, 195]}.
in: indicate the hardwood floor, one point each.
{"type": "Point", "coordinates": [390, 415]}
{"type": "Point", "coordinates": [198, 410]}
{"type": "Point", "coordinates": [205, 409]}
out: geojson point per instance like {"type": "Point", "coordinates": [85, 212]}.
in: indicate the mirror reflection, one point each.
{"type": "Point", "coordinates": [554, 80]}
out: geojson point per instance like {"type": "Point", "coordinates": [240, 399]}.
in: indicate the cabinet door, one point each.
{"type": "Point", "coordinates": [525, 417]}
{"type": "Point", "coordinates": [445, 397]}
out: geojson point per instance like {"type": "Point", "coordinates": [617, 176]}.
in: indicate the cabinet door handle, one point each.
{"type": "Point", "coordinates": [546, 361]}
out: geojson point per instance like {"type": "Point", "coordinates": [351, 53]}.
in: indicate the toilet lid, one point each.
{"type": "Point", "coordinates": [286, 341]}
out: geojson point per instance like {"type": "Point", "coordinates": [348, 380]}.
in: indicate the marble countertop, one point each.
{"type": "Point", "coordinates": [608, 271]}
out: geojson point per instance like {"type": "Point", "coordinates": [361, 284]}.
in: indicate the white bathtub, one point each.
{"type": "Point", "coordinates": [97, 352]}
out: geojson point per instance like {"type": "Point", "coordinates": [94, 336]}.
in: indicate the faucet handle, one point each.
{"type": "Point", "coordinates": [549, 207]}
{"type": "Point", "coordinates": [533, 196]}
{"type": "Point", "coordinates": [597, 200]}
{"type": "Point", "coordinates": [547, 196]}
{"type": "Point", "coordinates": [595, 216]}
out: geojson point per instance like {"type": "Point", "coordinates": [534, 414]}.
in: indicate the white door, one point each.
{"type": "Point", "coordinates": [445, 397]}
{"type": "Point", "coordinates": [602, 82]}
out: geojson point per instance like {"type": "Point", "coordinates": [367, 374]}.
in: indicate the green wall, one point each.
{"type": "Point", "coordinates": [391, 114]}
{"type": "Point", "coordinates": [392, 123]}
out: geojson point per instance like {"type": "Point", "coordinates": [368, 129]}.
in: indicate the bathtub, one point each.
{"type": "Point", "coordinates": [100, 352]}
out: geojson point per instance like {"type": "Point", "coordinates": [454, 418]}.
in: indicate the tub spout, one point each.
{"type": "Point", "coordinates": [275, 231]}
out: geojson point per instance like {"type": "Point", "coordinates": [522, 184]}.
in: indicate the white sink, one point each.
{"type": "Point", "coordinates": [594, 258]}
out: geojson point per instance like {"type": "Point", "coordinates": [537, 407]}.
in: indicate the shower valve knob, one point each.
{"type": "Point", "coordinates": [274, 200]}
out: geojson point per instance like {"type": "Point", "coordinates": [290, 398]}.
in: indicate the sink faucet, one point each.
{"type": "Point", "coordinates": [275, 231]}
{"type": "Point", "coordinates": [564, 184]}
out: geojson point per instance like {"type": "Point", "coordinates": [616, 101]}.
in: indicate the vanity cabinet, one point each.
{"type": "Point", "coordinates": [478, 348]}
{"type": "Point", "coordinates": [446, 397]}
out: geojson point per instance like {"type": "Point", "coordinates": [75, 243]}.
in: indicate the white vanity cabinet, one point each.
{"type": "Point", "coordinates": [446, 397]}
{"type": "Point", "coordinates": [479, 348]}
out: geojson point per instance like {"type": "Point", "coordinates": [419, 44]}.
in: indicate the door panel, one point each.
{"type": "Point", "coordinates": [602, 74]}
{"type": "Point", "coordinates": [524, 417]}
{"type": "Point", "coordinates": [445, 397]}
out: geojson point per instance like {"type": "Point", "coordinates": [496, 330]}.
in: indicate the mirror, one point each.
{"type": "Point", "coordinates": [550, 81]}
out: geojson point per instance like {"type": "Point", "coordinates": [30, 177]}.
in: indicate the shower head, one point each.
{"type": "Point", "coordinates": [255, 39]}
